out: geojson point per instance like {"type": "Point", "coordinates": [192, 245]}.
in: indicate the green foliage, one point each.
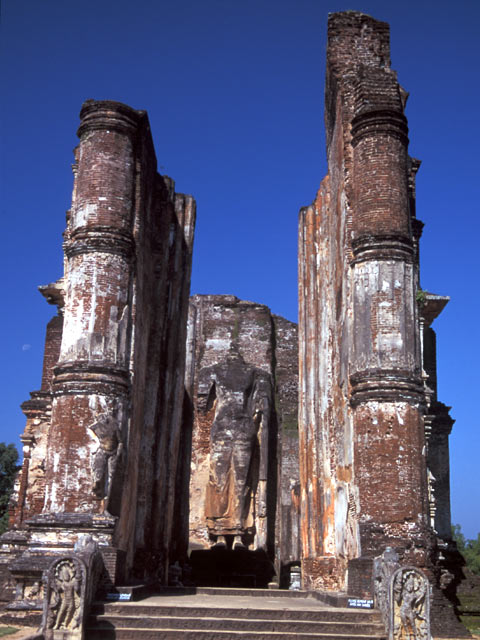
{"type": "Point", "coordinates": [458, 536]}
{"type": "Point", "coordinates": [8, 471]}
{"type": "Point", "coordinates": [7, 631]}
{"type": "Point", "coordinates": [421, 297]}
{"type": "Point", "coordinates": [470, 549]}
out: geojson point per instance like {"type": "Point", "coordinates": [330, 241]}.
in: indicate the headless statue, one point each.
{"type": "Point", "coordinates": [105, 460]}
{"type": "Point", "coordinates": [236, 492]}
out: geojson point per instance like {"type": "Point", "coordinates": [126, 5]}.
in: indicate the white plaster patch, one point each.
{"type": "Point", "coordinates": [53, 498]}
{"type": "Point", "coordinates": [390, 342]}
{"type": "Point", "coordinates": [83, 213]}
{"type": "Point", "coordinates": [217, 344]}
{"type": "Point", "coordinates": [341, 507]}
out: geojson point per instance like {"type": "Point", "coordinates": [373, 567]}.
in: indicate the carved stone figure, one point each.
{"type": "Point", "coordinates": [410, 597]}
{"type": "Point", "coordinates": [236, 493]}
{"type": "Point", "coordinates": [64, 605]}
{"type": "Point", "coordinates": [107, 456]}
{"type": "Point", "coordinates": [384, 567]}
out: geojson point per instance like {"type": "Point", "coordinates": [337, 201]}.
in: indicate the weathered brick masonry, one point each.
{"type": "Point", "coordinates": [242, 377]}
{"type": "Point", "coordinates": [112, 436]}
{"type": "Point", "coordinates": [103, 434]}
{"type": "Point", "coordinates": [363, 390]}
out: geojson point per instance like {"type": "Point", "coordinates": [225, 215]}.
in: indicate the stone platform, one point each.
{"type": "Point", "coordinates": [224, 614]}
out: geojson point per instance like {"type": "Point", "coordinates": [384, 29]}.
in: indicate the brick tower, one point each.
{"type": "Point", "coordinates": [363, 389]}
{"type": "Point", "coordinates": [102, 443]}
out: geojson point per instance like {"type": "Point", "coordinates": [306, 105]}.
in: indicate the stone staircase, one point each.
{"type": "Point", "coordinates": [228, 614]}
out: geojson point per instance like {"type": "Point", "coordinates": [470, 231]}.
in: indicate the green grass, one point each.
{"type": "Point", "coordinates": [6, 631]}
{"type": "Point", "coordinates": [472, 623]}
{"type": "Point", "coordinates": [470, 603]}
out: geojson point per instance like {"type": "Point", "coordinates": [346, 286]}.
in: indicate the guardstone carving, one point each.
{"type": "Point", "coordinates": [383, 569]}
{"type": "Point", "coordinates": [65, 596]}
{"type": "Point", "coordinates": [403, 596]}
{"type": "Point", "coordinates": [410, 593]}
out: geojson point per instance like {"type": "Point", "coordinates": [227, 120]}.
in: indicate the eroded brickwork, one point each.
{"type": "Point", "coordinates": [242, 374]}
{"type": "Point", "coordinates": [102, 442]}
{"type": "Point", "coordinates": [363, 387]}
{"type": "Point", "coordinates": [30, 497]}
{"type": "Point", "coordinates": [112, 437]}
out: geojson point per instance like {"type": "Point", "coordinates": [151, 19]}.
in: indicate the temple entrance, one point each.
{"type": "Point", "coordinates": [221, 566]}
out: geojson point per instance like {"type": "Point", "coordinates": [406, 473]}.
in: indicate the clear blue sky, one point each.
{"type": "Point", "coordinates": [234, 92]}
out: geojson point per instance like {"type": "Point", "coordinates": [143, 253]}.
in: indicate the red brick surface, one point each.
{"type": "Point", "coordinates": [362, 398]}
{"type": "Point", "coordinates": [103, 436]}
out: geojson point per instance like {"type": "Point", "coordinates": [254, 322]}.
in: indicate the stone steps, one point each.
{"type": "Point", "coordinates": [177, 634]}
{"type": "Point", "coordinates": [237, 624]}
{"type": "Point", "coordinates": [229, 618]}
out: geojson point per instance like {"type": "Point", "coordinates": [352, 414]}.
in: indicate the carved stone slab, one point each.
{"type": "Point", "coordinates": [65, 589]}
{"type": "Point", "coordinates": [410, 600]}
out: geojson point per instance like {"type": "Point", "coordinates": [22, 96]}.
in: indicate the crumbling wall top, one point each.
{"type": "Point", "coordinates": [108, 114]}
{"type": "Point", "coordinates": [356, 39]}
{"type": "Point", "coordinates": [358, 68]}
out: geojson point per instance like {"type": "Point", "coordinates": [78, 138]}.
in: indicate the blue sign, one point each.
{"type": "Point", "coordinates": [119, 596]}
{"type": "Point", "coordinates": [357, 603]}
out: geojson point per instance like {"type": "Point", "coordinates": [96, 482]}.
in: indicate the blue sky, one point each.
{"type": "Point", "coordinates": [234, 92]}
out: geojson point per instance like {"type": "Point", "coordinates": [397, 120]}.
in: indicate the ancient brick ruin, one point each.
{"type": "Point", "coordinates": [242, 372]}
{"type": "Point", "coordinates": [203, 441]}
{"type": "Point", "coordinates": [98, 456]}
{"type": "Point", "coordinates": [368, 401]}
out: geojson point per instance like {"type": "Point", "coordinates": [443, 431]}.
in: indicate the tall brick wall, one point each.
{"type": "Point", "coordinates": [438, 424]}
{"type": "Point", "coordinates": [287, 529]}
{"type": "Point", "coordinates": [31, 493]}
{"type": "Point", "coordinates": [113, 381]}
{"type": "Point", "coordinates": [362, 394]}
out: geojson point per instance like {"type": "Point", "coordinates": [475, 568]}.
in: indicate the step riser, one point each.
{"type": "Point", "coordinates": [147, 634]}
{"type": "Point", "coordinates": [216, 624]}
{"type": "Point", "coordinates": [284, 618]}
{"type": "Point", "coordinates": [325, 615]}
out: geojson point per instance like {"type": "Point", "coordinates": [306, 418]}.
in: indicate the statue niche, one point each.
{"type": "Point", "coordinates": [236, 495]}
{"type": "Point", "coordinates": [107, 460]}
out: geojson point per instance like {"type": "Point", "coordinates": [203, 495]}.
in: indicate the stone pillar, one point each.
{"type": "Point", "coordinates": [385, 370]}
{"type": "Point", "coordinates": [362, 398]}
{"type": "Point", "coordinates": [115, 451]}
{"type": "Point", "coordinates": [91, 381]}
